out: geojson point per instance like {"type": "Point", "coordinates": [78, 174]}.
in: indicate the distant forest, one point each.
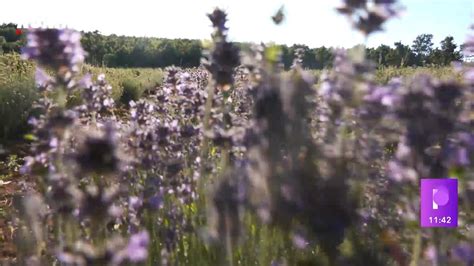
{"type": "Point", "coordinates": [124, 51]}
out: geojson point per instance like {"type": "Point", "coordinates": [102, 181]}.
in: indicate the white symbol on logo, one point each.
{"type": "Point", "coordinates": [440, 197]}
{"type": "Point", "coordinates": [435, 206]}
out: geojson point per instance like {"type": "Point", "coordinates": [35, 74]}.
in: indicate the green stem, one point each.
{"type": "Point", "coordinates": [205, 145]}
{"type": "Point", "coordinates": [228, 242]}
{"type": "Point", "coordinates": [437, 238]}
{"type": "Point", "coordinates": [205, 141]}
{"type": "Point", "coordinates": [416, 251]}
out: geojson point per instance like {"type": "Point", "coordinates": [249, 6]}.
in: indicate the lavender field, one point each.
{"type": "Point", "coordinates": [235, 162]}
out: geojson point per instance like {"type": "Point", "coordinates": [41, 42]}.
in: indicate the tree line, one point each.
{"type": "Point", "coordinates": [125, 51]}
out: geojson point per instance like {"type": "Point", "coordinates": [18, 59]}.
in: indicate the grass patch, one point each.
{"type": "Point", "coordinates": [18, 90]}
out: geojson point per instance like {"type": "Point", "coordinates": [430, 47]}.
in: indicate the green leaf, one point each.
{"type": "Point", "coordinates": [30, 137]}
{"type": "Point", "coordinates": [272, 53]}
{"type": "Point", "coordinates": [456, 172]}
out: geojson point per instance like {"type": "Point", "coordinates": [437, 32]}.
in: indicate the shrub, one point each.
{"type": "Point", "coordinates": [17, 94]}
{"type": "Point", "coordinates": [16, 101]}
{"type": "Point", "coordinates": [132, 90]}
{"type": "Point", "coordinates": [149, 78]}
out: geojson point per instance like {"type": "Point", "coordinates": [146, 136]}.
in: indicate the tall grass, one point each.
{"type": "Point", "coordinates": [18, 91]}
{"type": "Point", "coordinates": [17, 95]}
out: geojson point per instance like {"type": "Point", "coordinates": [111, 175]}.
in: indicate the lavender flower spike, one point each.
{"type": "Point", "coordinates": [56, 48]}
{"type": "Point", "coordinates": [137, 249]}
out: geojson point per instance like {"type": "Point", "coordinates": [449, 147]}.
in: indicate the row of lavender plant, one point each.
{"type": "Point", "coordinates": [239, 162]}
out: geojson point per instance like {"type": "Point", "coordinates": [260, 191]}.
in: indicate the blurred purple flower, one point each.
{"type": "Point", "coordinates": [464, 252]}
{"type": "Point", "coordinates": [155, 202]}
{"type": "Point", "coordinates": [369, 18]}
{"type": "Point", "coordinates": [463, 157]}
{"type": "Point", "coordinates": [469, 76]}
{"type": "Point", "coordinates": [43, 80]}
{"type": "Point", "coordinates": [57, 48]}
{"type": "Point", "coordinates": [384, 95]}
{"type": "Point", "coordinates": [468, 49]}
{"type": "Point", "coordinates": [299, 241]}
{"type": "Point", "coordinates": [99, 153]}
{"type": "Point", "coordinates": [86, 81]}
{"type": "Point", "coordinates": [137, 248]}
{"type": "Point", "coordinates": [218, 19]}
{"type": "Point", "coordinates": [135, 203]}
{"type": "Point", "coordinates": [97, 95]}
{"type": "Point", "coordinates": [224, 57]}
{"type": "Point", "coordinates": [385, 1]}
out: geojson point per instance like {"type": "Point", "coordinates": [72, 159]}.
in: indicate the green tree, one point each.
{"type": "Point", "coordinates": [383, 55]}
{"type": "Point", "coordinates": [383, 52]}
{"type": "Point", "coordinates": [12, 42]}
{"type": "Point", "coordinates": [323, 56]}
{"type": "Point", "coordinates": [448, 51]}
{"type": "Point", "coordinates": [286, 56]}
{"type": "Point", "coordinates": [404, 55]}
{"type": "Point", "coordinates": [2, 42]}
{"type": "Point", "coordinates": [422, 47]}
{"type": "Point", "coordinates": [123, 51]}
{"type": "Point", "coordinates": [436, 57]}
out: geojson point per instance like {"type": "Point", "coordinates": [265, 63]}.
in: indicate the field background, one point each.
{"type": "Point", "coordinates": [18, 93]}
{"type": "Point", "coordinates": [128, 150]}
{"type": "Point", "coordinates": [18, 89]}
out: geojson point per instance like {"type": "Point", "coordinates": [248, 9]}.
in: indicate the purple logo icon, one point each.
{"type": "Point", "coordinates": [439, 202]}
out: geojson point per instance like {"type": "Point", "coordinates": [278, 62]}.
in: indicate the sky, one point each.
{"type": "Point", "coordinates": [311, 22]}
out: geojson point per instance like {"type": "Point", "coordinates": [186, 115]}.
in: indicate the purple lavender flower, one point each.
{"type": "Point", "coordinates": [97, 96]}
{"type": "Point", "coordinates": [98, 203]}
{"type": "Point", "coordinates": [43, 80]}
{"type": "Point", "coordinates": [369, 18]}
{"type": "Point", "coordinates": [458, 156]}
{"type": "Point", "coordinates": [99, 153]}
{"type": "Point", "coordinates": [57, 48]}
{"type": "Point", "coordinates": [469, 44]}
{"type": "Point", "coordinates": [137, 248]}
{"type": "Point", "coordinates": [299, 241]}
{"type": "Point", "coordinates": [224, 57]}
{"type": "Point", "coordinates": [135, 203]}
{"type": "Point", "coordinates": [218, 19]}
{"type": "Point", "coordinates": [469, 76]}
{"type": "Point", "coordinates": [464, 252]}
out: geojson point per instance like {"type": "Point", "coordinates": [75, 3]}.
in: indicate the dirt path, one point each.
{"type": "Point", "coordinates": [11, 185]}
{"type": "Point", "coordinates": [8, 188]}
